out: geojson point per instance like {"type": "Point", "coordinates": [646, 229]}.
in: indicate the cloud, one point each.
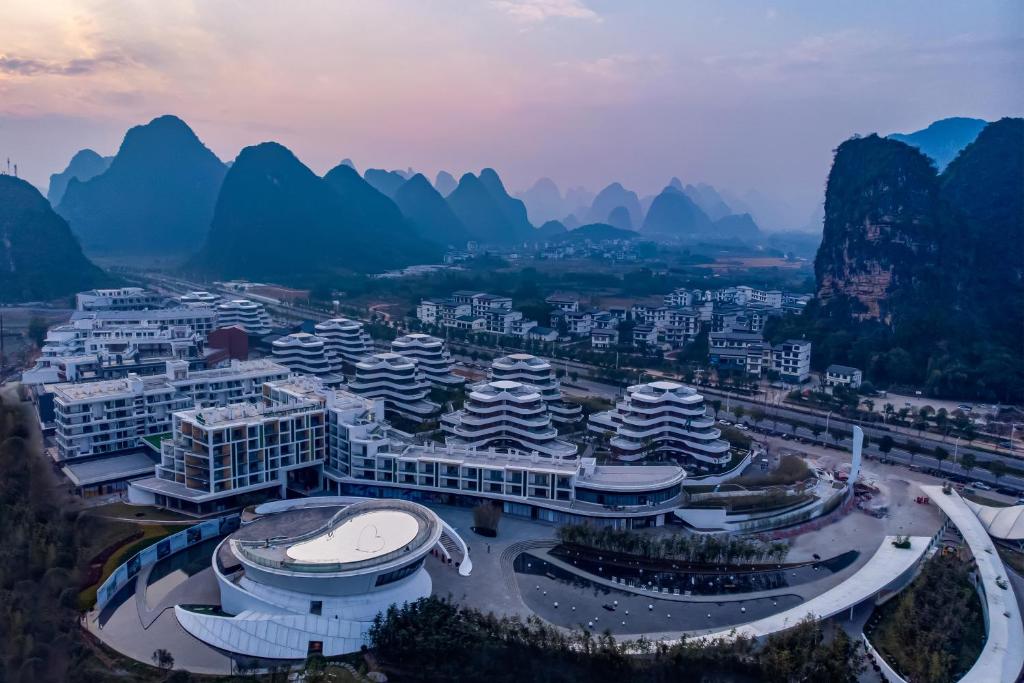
{"type": "Point", "coordinates": [618, 66]}
{"type": "Point", "coordinates": [20, 66]}
{"type": "Point", "coordinates": [534, 11]}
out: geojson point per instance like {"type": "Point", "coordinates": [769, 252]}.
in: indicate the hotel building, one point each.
{"type": "Point", "coordinates": [251, 316]}
{"type": "Point", "coordinates": [506, 414]}
{"type": "Point", "coordinates": [345, 338]}
{"type": "Point", "coordinates": [431, 357]}
{"type": "Point", "coordinates": [306, 354]}
{"type": "Point", "coordinates": [202, 321]}
{"type": "Point", "coordinates": [664, 418]}
{"type": "Point", "coordinates": [97, 418]}
{"type": "Point", "coordinates": [398, 382]}
{"type": "Point", "coordinates": [119, 299]}
{"type": "Point", "coordinates": [529, 369]}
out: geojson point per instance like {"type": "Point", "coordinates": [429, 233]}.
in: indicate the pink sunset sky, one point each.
{"type": "Point", "coordinates": [738, 94]}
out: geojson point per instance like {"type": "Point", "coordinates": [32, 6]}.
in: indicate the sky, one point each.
{"type": "Point", "coordinates": [740, 94]}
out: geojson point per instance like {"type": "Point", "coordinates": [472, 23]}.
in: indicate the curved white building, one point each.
{"type": "Point", "coordinates": [199, 299]}
{"type": "Point", "coordinates": [345, 338]}
{"type": "Point", "coordinates": [306, 354]}
{"type": "Point", "coordinates": [397, 381]}
{"type": "Point", "coordinates": [664, 418]}
{"type": "Point", "coordinates": [312, 577]}
{"type": "Point", "coordinates": [431, 356]}
{"type": "Point", "coordinates": [529, 369]}
{"type": "Point", "coordinates": [506, 414]}
{"type": "Point", "coordinates": [251, 316]}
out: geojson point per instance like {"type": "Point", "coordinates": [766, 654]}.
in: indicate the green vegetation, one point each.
{"type": "Point", "coordinates": [435, 640]}
{"type": "Point", "coordinates": [948, 315]}
{"type": "Point", "coordinates": [934, 630]}
{"type": "Point", "coordinates": [791, 469]}
{"type": "Point", "coordinates": [151, 533]}
{"type": "Point", "coordinates": [704, 549]}
{"type": "Point", "coordinates": [154, 440]}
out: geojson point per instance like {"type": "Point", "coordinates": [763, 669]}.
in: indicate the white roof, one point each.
{"type": "Point", "coordinates": [362, 537]}
{"type": "Point", "coordinates": [1003, 655]}
{"type": "Point", "coordinates": [1003, 523]}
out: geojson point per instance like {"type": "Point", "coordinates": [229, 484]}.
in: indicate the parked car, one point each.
{"type": "Point", "coordinates": [724, 422]}
{"type": "Point", "coordinates": [981, 486]}
{"type": "Point", "coordinates": [741, 427]}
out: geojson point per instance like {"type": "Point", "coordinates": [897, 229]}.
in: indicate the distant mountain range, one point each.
{"type": "Point", "coordinates": [157, 195]}
{"type": "Point", "coordinates": [276, 218]}
{"type": "Point", "coordinates": [39, 257]}
{"type": "Point", "coordinates": [943, 139]}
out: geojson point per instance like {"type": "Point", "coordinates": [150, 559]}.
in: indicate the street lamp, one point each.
{"type": "Point", "coordinates": [827, 418]}
{"type": "Point", "coordinates": [956, 449]}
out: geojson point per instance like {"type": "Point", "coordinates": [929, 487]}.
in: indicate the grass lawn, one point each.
{"type": "Point", "coordinates": [153, 440]}
{"type": "Point", "coordinates": [151, 533]}
{"type": "Point", "coordinates": [982, 500]}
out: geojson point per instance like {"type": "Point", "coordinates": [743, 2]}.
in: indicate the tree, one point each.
{"type": "Point", "coordinates": [739, 412]}
{"type": "Point", "coordinates": [716, 405]}
{"type": "Point", "coordinates": [163, 659]}
{"type": "Point", "coordinates": [885, 444]}
{"type": "Point", "coordinates": [941, 454]}
{"type": "Point", "coordinates": [968, 461]}
{"type": "Point", "coordinates": [997, 468]}
{"type": "Point", "coordinates": [37, 331]}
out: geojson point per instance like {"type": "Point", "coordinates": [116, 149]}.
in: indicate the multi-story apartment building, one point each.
{"type": "Point", "coordinates": [202, 321]}
{"type": "Point", "coordinates": [431, 357]}
{"type": "Point", "coordinates": [792, 360]}
{"type": "Point", "coordinates": [96, 418]}
{"type": "Point", "coordinates": [505, 414]}
{"type": "Point", "coordinates": [538, 373]}
{"type": "Point", "coordinates": [93, 349]}
{"type": "Point", "coordinates": [306, 354]}
{"type": "Point", "coordinates": [748, 295]}
{"type": "Point", "coordinates": [604, 338]}
{"type": "Point", "coordinates": [576, 323]}
{"type": "Point", "coordinates": [664, 419]}
{"type": "Point", "coordinates": [251, 316]}
{"type": "Point", "coordinates": [398, 382]}
{"type": "Point", "coordinates": [476, 312]}
{"type": "Point", "coordinates": [119, 299]}
{"type": "Point", "coordinates": [645, 336]}
{"type": "Point", "coordinates": [564, 302]}
{"type": "Point", "coordinates": [683, 297]}
{"type": "Point", "coordinates": [749, 351]}
{"type": "Point", "coordinates": [217, 454]}
{"type": "Point", "coordinates": [442, 312]}
{"type": "Point", "coordinates": [345, 338]}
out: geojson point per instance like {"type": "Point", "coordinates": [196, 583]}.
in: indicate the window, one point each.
{"type": "Point", "coordinates": [316, 607]}
{"type": "Point", "coordinates": [398, 574]}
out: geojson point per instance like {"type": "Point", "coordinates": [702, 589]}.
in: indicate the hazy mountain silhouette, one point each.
{"type": "Point", "coordinates": [445, 183]}
{"type": "Point", "coordinates": [619, 217]}
{"type": "Point", "coordinates": [674, 215]}
{"type": "Point", "coordinates": [157, 196]}
{"type": "Point", "coordinates": [708, 199]}
{"type": "Point", "coordinates": [39, 257]}
{"type": "Point", "coordinates": [599, 232]}
{"type": "Point", "coordinates": [84, 165]}
{"type": "Point", "coordinates": [385, 182]}
{"type": "Point", "coordinates": [943, 139]}
{"type": "Point", "coordinates": [429, 213]}
{"type": "Point", "coordinates": [551, 230]}
{"type": "Point", "coordinates": [739, 226]}
{"type": "Point", "coordinates": [610, 197]}
{"type": "Point", "coordinates": [544, 201]}
{"type": "Point", "coordinates": [275, 218]}
{"type": "Point", "coordinates": [490, 215]}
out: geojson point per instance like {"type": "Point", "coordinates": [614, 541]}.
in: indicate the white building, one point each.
{"type": "Point", "coordinates": [251, 316]}
{"type": "Point", "coordinates": [505, 414]}
{"type": "Point", "coordinates": [431, 357]}
{"type": "Point", "coordinates": [216, 454]}
{"type": "Point", "coordinates": [792, 360]}
{"type": "Point", "coordinates": [317, 586]}
{"type": "Point", "coordinates": [397, 381]}
{"type": "Point", "coordinates": [199, 299]}
{"type": "Point", "coordinates": [202, 321]}
{"type": "Point", "coordinates": [95, 418]}
{"type": "Point", "coordinates": [92, 349]}
{"type": "Point", "coordinates": [306, 354]}
{"type": "Point", "coordinates": [345, 338]}
{"type": "Point", "coordinates": [537, 372]}
{"type": "Point", "coordinates": [664, 419]}
{"type": "Point", "coordinates": [119, 299]}
{"type": "Point", "coordinates": [843, 376]}
{"type": "Point", "coordinates": [604, 338]}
